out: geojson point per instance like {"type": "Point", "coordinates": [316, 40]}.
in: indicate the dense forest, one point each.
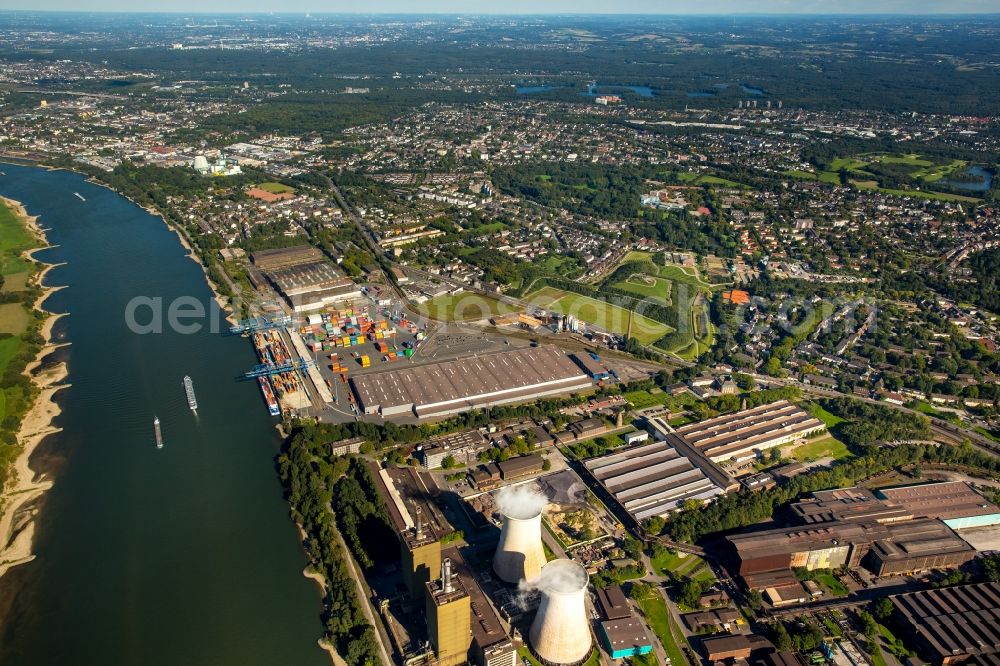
{"type": "Point", "coordinates": [311, 483]}
{"type": "Point", "coordinates": [586, 189]}
{"type": "Point", "coordinates": [610, 192]}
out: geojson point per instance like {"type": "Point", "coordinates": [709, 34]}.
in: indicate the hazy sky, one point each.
{"type": "Point", "coordinates": [524, 6]}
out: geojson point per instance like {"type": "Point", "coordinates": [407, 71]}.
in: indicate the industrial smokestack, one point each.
{"type": "Point", "coordinates": [519, 553]}
{"type": "Point", "coordinates": [446, 586]}
{"type": "Point", "coordinates": [560, 633]}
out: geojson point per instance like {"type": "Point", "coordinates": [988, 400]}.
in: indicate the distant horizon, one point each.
{"type": "Point", "coordinates": [555, 8]}
{"type": "Point", "coordinates": [234, 12]}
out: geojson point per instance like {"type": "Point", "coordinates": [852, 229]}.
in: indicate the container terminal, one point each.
{"type": "Point", "coordinates": [365, 353]}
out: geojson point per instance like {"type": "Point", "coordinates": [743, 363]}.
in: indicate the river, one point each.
{"type": "Point", "coordinates": [184, 555]}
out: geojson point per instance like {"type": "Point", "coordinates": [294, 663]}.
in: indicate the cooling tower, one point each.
{"type": "Point", "coordinates": [560, 633]}
{"type": "Point", "coordinates": [519, 554]}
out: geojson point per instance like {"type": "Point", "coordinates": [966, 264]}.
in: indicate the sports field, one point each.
{"type": "Point", "coordinates": [599, 313]}
{"type": "Point", "coordinates": [276, 188]}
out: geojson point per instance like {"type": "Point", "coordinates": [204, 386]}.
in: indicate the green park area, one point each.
{"type": "Point", "coordinates": [646, 286]}
{"type": "Point", "coordinates": [911, 170]}
{"type": "Point", "coordinates": [15, 239]}
{"type": "Point", "coordinates": [682, 565]}
{"type": "Point", "coordinates": [14, 318]}
{"type": "Point", "coordinates": [276, 188]}
{"type": "Point", "coordinates": [917, 194]}
{"type": "Point", "coordinates": [465, 306]}
{"type": "Point", "coordinates": [599, 313]}
{"type": "Point", "coordinates": [829, 419]}
{"type": "Point", "coordinates": [15, 315]}
{"type": "Point", "coordinates": [830, 582]}
{"type": "Point", "coordinates": [824, 445]}
{"type": "Point", "coordinates": [676, 287]}
{"type": "Point", "coordinates": [692, 178]}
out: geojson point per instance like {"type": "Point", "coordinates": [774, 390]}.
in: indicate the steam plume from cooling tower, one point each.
{"type": "Point", "coordinates": [557, 580]}
{"type": "Point", "coordinates": [521, 502]}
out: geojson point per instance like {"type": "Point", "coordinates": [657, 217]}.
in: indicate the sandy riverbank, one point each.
{"type": "Point", "coordinates": [17, 503]}
{"type": "Point", "coordinates": [320, 580]}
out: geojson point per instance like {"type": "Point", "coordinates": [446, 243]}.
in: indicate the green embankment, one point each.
{"type": "Point", "coordinates": [19, 332]}
{"type": "Point", "coordinates": [654, 608]}
{"type": "Point", "coordinates": [599, 313]}
{"type": "Point", "coordinates": [465, 306]}
{"type": "Point", "coordinates": [661, 284]}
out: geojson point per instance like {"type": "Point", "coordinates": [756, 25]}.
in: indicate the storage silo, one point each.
{"type": "Point", "coordinates": [560, 633]}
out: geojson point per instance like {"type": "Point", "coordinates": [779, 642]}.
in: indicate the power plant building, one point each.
{"type": "Point", "coordinates": [491, 646]}
{"type": "Point", "coordinates": [451, 387]}
{"type": "Point", "coordinates": [745, 434]}
{"type": "Point", "coordinates": [416, 520]}
{"type": "Point", "coordinates": [953, 624]}
{"type": "Point", "coordinates": [420, 552]}
{"type": "Point", "coordinates": [461, 622]}
{"type": "Point", "coordinates": [449, 618]}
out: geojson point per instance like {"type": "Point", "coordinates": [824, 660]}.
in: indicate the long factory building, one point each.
{"type": "Point", "coordinates": [854, 527]}
{"type": "Point", "coordinates": [953, 624]}
{"type": "Point", "coordinates": [744, 434]}
{"type": "Point", "coordinates": [655, 479]}
{"type": "Point", "coordinates": [450, 387]}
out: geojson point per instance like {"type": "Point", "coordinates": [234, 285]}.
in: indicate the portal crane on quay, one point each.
{"type": "Point", "coordinates": [268, 369]}
{"type": "Point", "coordinates": [261, 324]}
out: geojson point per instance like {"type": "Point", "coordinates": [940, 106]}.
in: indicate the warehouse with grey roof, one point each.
{"type": "Point", "coordinates": [451, 387]}
{"type": "Point", "coordinates": [744, 434]}
{"type": "Point", "coordinates": [655, 479]}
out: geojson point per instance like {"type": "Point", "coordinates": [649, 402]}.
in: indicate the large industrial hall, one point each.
{"type": "Point", "coordinates": [451, 387]}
